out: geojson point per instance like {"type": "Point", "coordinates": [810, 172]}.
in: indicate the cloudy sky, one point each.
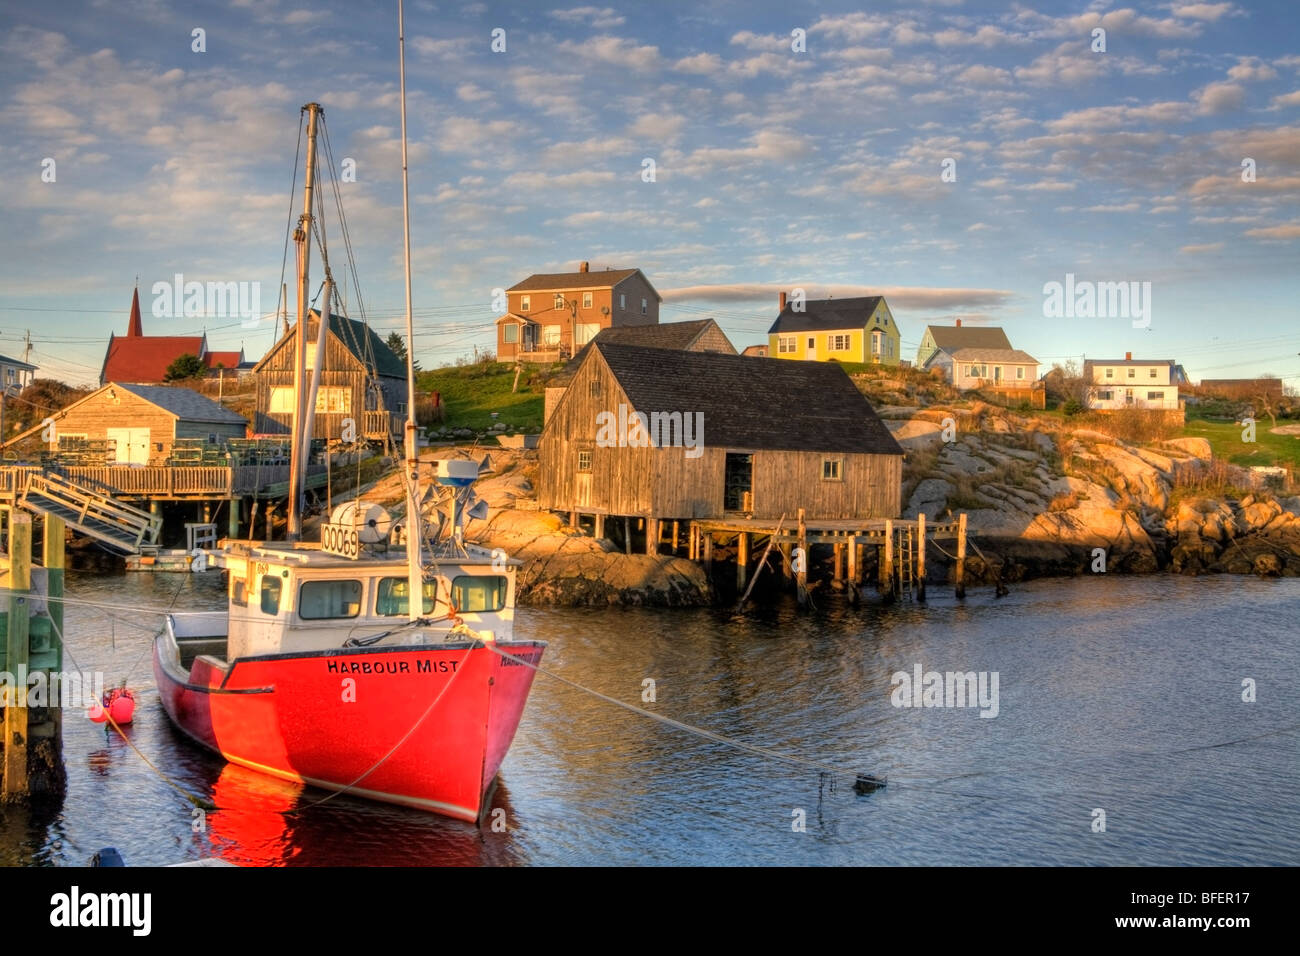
{"type": "Point", "coordinates": [820, 168]}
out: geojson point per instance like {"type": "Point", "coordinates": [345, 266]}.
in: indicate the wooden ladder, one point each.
{"type": "Point", "coordinates": [903, 561]}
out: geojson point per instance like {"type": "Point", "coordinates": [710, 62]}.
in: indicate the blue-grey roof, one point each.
{"type": "Point", "coordinates": [184, 403]}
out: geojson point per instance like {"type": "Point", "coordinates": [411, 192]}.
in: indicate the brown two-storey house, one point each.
{"type": "Point", "coordinates": [549, 317]}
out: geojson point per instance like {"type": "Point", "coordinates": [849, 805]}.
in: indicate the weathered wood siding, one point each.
{"type": "Point", "coordinates": [688, 487]}
{"type": "Point", "coordinates": [122, 409]}
{"type": "Point", "coordinates": [620, 481]}
{"type": "Point", "coordinates": [340, 369]}
{"type": "Point", "coordinates": [713, 339]}
{"type": "Point", "coordinates": [628, 311]}
{"type": "Point", "coordinates": [785, 481]}
{"type": "Point", "coordinates": [223, 430]}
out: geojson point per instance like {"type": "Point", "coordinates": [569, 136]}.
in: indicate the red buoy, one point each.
{"type": "Point", "coordinates": [122, 708]}
{"type": "Point", "coordinates": [97, 713]}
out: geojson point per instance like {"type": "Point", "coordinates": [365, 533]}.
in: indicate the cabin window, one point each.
{"type": "Point", "coordinates": [334, 400]}
{"type": "Point", "coordinates": [510, 333]}
{"type": "Point", "coordinates": [812, 342]}
{"type": "Point", "coordinates": [559, 302]}
{"type": "Point", "coordinates": [212, 440]}
{"type": "Point", "coordinates": [393, 597]}
{"type": "Point", "coordinates": [239, 592]}
{"type": "Point", "coordinates": [1155, 396]}
{"type": "Point", "coordinates": [270, 595]}
{"type": "Point", "coordinates": [877, 337]}
{"type": "Point", "coordinates": [595, 388]}
{"type": "Point", "coordinates": [586, 300]}
{"type": "Point", "coordinates": [584, 461]}
{"type": "Point", "coordinates": [525, 303]}
{"type": "Point", "coordinates": [838, 343]}
{"type": "Point", "coordinates": [786, 343]}
{"type": "Point", "coordinates": [281, 400]}
{"type": "Point", "coordinates": [478, 592]}
{"type": "Point", "coordinates": [1020, 371]}
{"type": "Point", "coordinates": [832, 469]}
{"type": "Point", "coordinates": [321, 600]}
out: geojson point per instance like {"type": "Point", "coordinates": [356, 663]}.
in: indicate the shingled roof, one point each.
{"type": "Point", "coordinates": [1012, 356]}
{"type": "Point", "coordinates": [752, 403]}
{"type": "Point", "coordinates": [826, 315]}
{"type": "Point", "coordinates": [546, 281]}
{"type": "Point", "coordinates": [953, 337]}
{"type": "Point", "coordinates": [184, 403]}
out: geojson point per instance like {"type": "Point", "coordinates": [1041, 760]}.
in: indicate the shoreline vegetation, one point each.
{"type": "Point", "coordinates": [1047, 494]}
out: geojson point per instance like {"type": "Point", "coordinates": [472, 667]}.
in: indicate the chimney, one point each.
{"type": "Point", "coordinates": [959, 323]}
{"type": "Point", "coordinates": [583, 266]}
{"type": "Point", "coordinates": [782, 301]}
{"type": "Point", "coordinates": [1128, 356]}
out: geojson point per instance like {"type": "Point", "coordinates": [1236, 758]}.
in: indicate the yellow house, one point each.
{"type": "Point", "coordinates": [847, 330]}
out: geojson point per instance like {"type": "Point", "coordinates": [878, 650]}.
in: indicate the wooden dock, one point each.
{"type": "Point", "coordinates": [901, 545]}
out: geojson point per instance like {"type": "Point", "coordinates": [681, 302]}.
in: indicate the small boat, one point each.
{"type": "Point", "coordinates": [323, 669]}
{"type": "Point", "coordinates": [316, 674]}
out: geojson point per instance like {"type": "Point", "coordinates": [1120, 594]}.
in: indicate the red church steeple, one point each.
{"type": "Point", "coordinates": [134, 327]}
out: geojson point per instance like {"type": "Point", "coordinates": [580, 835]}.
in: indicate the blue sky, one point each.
{"type": "Point", "coordinates": [773, 168]}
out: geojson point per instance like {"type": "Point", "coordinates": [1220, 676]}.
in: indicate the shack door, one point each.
{"type": "Point", "coordinates": [738, 482]}
{"type": "Point", "coordinates": [132, 445]}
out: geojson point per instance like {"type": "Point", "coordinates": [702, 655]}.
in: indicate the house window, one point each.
{"type": "Point", "coordinates": [644, 306]}
{"type": "Point", "coordinates": [584, 461]}
{"type": "Point", "coordinates": [622, 302]}
{"type": "Point", "coordinates": [281, 400]}
{"type": "Point", "coordinates": [11, 374]}
{"type": "Point", "coordinates": [1020, 371]}
{"type": "Point", "coordinates": [1132, 373]}
{"type": "Point", "coordinates": [551, 336]}
{"type": "Point", "coordinates": [1110, 373]}
{"type": "Point", "coordinates": [586, 300]}
{"type": "Point", "coordinates": [1153, 373]}
{"type": "Point", "coordinates": [212, 439]}
{"type": "Point", "coordinates": [270, 595]}
{"type": "Point", "coordinates": [525, 303]}
{"type": "Point", "coordinates": [334, 400]}
{"type": "Point", "coordinates": [595, 388]}
{"type": "Point", "coordinates": [510, 333]}
{"type": "Point", "coordinates": [393, 597]}
{"type": "Point", "coordinates": [837, 343]}
{"type": "Point", "coordinates": [559, 302]}
{"type": "Point", "coordinates": [786, 343]}
{"type": "Point", "coordinates": [812, 342]}
{"type": "Point", "coordinates": [876, 338]}
{"type": "Point", "coordinates": [1155, 396]}
{"type": "Point", "coordinates": [1105, 395]}
{"type": "Point", "coordinates": [478, 592]}
{"type": "Point", "coordinates": [323, 600]}
{"type": "Point", "coordinates": [832, 469]}
{"type": "Point", "coordinates": [889, 347]}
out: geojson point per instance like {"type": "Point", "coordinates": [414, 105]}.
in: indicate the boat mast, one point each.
{"type": "Point", "coordinates": [299, 453]}
{"type": "Point", "coordinates": [414, 535]}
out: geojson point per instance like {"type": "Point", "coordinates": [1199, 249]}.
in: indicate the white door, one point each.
{"type": "Point", "coordinates": [132, 445]}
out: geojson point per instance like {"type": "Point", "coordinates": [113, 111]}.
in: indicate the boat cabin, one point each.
{"type": "Point", "coordinates": [287, 599]}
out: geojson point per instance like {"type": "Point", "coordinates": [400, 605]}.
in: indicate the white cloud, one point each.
{"type": "Point", "coordinates": [602, 18]}
{"type": "Point", "coordinates": [1201, 11]}
{"type": "Point", "coordinates": [1287, 99]}
{"type": "Point", "coordinates": [659, 127]}
{"type": "Point", "coordinates": [1219, 98]}
{"type": "Point", "coordinates": [705, 64]}
{"type": "Point", "coordinates": [1196, 250]}
{"type": "Point", "coordinates": [1251, 69]}
{"type": "Point", "coordinates": [980, 75]}
{"type": "Point", "coordinates": [853, 27]}
{"type": "Point", "coordinates": [614, 51]}
{"type": "Point", "coordinates": [1287, 231]}
{"type": "Point", "coordinates": [912, 297]}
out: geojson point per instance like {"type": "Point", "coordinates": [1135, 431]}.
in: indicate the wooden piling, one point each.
{"type": "Point", "coordinates": [652, 529]}
{"type": "Point", "coordinates": [920, 557]}
{"type": "Point", "coordinates": [837, 562]}
{"type": "Point", "coordinates": [16, 646]}
{"type": "Point", "coordinates": [887, 568]}
{"type": "Point", "coordinates": [707, 541]}
{"type": "Point", "coordinates": [599, 529]}
{"type": "Point", "coordinates": [573, 519]}
{"type": "Point", "coordinates": [961, 555]}
{"type": "Point", "coordinates": [801, 575]}
{"type": "Point", "coordinates": [627, 535]}
{"type": "Point", "coordinates": [853, 570]}
{"type": "Point", "coordinates": [674, 537]}
{"type": "Point", "coordinates": [785, 563]}
{"type": "Point", "coordinates": [232, 528]}
{"type": "Point", "coordinates": [742, 558]}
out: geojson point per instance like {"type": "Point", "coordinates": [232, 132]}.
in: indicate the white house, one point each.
{"type": "Point", "coordinates": [1131, 383]}
{"type": "Point", "coordinates": [976, 357]}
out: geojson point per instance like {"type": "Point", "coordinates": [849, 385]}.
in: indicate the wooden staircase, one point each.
{"type": "Point", "coordinates": [91, 512]}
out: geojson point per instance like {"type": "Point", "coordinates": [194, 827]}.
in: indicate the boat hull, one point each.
{"type": "Point", "coordinates": [424, 726]}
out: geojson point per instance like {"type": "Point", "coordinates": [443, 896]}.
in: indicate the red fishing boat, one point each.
{"type": "Point", "coordinates": [322, 669]}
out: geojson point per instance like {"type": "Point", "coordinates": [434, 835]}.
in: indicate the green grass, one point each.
{"type": "Point", "coordinates": [1225, 441]}
{"type": "Point", "coordinates": [471, 393]}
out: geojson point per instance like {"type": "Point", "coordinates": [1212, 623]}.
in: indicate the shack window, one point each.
{"type": "Point", "coordinates": [832, 469]}
{"type": "Point", "coordinates": [595, 388]}
{"type": "Point", "coordinates": [270, 595]}
{"type": "Point", "coordinates": [239, 592]}
{"type": "Point", "coordinates": [584, 461]}
{"type": "Point", "coordinates": [478, 592]}
{"type": "Point", "coordinates": [393, 597]}
{"type": "Point", "coordinates": [321, 600]}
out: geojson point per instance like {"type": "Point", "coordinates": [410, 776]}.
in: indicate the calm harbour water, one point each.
{"type": "Point", "coordinates": [1122, 694]}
